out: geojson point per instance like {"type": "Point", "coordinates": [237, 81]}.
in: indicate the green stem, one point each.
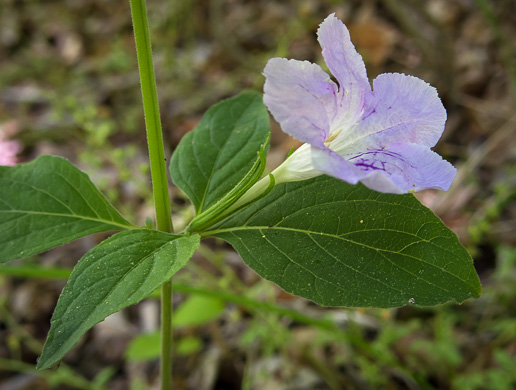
{"type": "Point", "coordinates": [152, 117]}
{"type": "Point", "coordinates": [158, 170]}
{"type": "Point", "coordinates": [166, 336]}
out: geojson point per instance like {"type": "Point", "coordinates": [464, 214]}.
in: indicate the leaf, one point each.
{"type": "Point", "coordinates": [197, 310]}
{"type": "Point", "coordinates": [49, 202]}
{"type": "Point", "coordinates": [189, 345]}
{"type": "Point", "coordinates": [121, 271]}
{"type": "Point", "coordinates": [344, 245]}
{"type": "Point", "coordinates": [210, 160]}
{"type": "Point", "coordinates": [144, 347]}
{"type": "Point", "coordinates": [147, 347]}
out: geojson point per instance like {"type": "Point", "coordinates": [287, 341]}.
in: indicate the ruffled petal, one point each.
{"type": "Point", "coordinates": [348, 68]}
{"type": "Point", "coordinates": [410, 167]}
{"type": "Point", "coordinates": [402, 168]}
{"type": "Point", "coordinates": [403, 109]}
{"type": "Point", "coordinates": [301, 97]}
{"type": "Point", "coordinates": [381, 138]}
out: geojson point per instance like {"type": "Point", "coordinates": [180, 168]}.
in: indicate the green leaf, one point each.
{"type": "Point", "coordinates": [344, 245]}
{"type": "Point", "coordinates": [121, 271]}
{"type": "Point", "coordinates": [144, 347]}
{"type": "Point", "coordinates": [188, 345]}
{"type": "Point", "coordinates": [147, 347]}
{"type": "Point", "coordinates": [213, 158]}
{"type": "Point", "coordinates": [49, 202]}
{"type": "Point", "coordinates": [197, 310]}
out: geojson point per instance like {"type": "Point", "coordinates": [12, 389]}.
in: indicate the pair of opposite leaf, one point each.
{"type": "Point", "coordinates": [381, 138]}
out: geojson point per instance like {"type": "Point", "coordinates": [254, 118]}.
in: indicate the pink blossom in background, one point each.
{"type": "Point", "coordinates": [8, 148]}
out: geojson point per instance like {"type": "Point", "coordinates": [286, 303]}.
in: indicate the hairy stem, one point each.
{"type": "Point", "coordinates": [158, 170]}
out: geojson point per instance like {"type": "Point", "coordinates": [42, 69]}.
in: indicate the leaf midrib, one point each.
{"type": "Point", "coordinates": [315, 205]}
{"type": "Point", "coordinates": [106, 296]}
{"type": "Point", "coordinates": [310, 233]}
{"type": "Point", "coordinates": [212, 170]}
{"type": "Point", "coordinates": [76, 216]}
{"type": "Point", "coordinates": [311, 272]}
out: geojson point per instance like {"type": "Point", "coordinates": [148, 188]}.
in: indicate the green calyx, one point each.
{"type": "Point", "coordinates": [218, 211]}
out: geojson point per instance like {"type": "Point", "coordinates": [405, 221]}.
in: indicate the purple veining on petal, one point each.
{"type": "Point", "coordinates": [368, 115]}
{"type": "Point", "coordinates": [377, 161]}
{"type": "Point", "coordinates": [374, 153]}
{"type": "Point", "coordinates": [410, 167]}
{"type": "Point", "coordinates": [369, 165]}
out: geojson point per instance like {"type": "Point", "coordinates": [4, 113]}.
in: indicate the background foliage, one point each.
{"type": "Point", "coordinates": [69, 87]}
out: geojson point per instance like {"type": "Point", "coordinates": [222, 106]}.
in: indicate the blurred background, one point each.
{"type": "Point", "coordinates": [69, 87]}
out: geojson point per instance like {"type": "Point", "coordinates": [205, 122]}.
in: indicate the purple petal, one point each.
{"type": "Point", "coordinates": [345, 64]}
{"type": "Point", "coordinates": [401, 168]}
{"type": "Point", "coordinates": [301, 97]}
{"type": "Point", "coordinates": [402, 109]}
{"type": "Point", "coordinates": [333, 164]}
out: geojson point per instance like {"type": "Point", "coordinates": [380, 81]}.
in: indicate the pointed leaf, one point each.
{"type": "Point", "coordinates": [121, 271]}
{"type": "Point", "coordinates": [344, 245]}
{"type": "Point", "coordinates": [210, 160]}
{"type": "Point", "coordinates": [49, 202]}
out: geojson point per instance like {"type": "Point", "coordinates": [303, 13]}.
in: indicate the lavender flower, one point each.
{"type": "Point", "coordinates": [380, 137]}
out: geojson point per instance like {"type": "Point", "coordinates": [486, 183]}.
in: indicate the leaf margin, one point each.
{"type": "Point", "coordinates": [51, 354]}
{"type": "Point", "coordinates": [52, 166]}
{"type": "Point", "coordinates": [265, 229]}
